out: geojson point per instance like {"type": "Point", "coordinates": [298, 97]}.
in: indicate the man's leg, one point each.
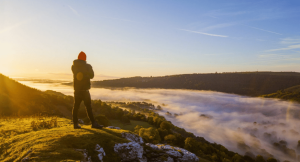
{"type": "Point", "coordinates": [78, 97]}
{"type": "Point", "coordinates": [88, 105]}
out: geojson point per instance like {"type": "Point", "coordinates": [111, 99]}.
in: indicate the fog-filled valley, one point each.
{"type": "Point", "coordinates": [240, 123]}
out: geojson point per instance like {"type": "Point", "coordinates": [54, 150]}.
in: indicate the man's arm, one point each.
{"type": "Point", "coordinates": [90, 71]}
{"type": "Point", "coordinates": [72, 69]}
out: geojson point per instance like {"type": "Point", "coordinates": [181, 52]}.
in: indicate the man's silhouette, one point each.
{"type": "Point", "coordinates": [82, 73]}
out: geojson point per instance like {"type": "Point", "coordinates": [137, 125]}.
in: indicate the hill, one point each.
{"type": "Point", "coordinates": [55, 144]}
{"type": "Point", "coordinates": [18, 99]}
{"type": "Point", "coordinates": [242, 83]}
{"type": "Point", "coordinates": [291, 94]}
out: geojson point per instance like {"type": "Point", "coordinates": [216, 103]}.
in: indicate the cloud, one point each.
{"type": "Point", "coordinates": [73, 10]}
{"type": "Point", "coordinates": [291, 47]}
{"type": "Point", "coordinates": [262, 29]}
{"type": "Point", "coordinates": [223, 25]}
{"type": "Point", "coordinates": [290, 41]}
{"type": "Point", "coordinates": [271, 56]}
{"type": "Point", "coordinates": [213, 35]}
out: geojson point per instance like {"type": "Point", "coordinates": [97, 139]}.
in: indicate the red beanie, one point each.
{"type": "Point", "coordinates": [82, 56]}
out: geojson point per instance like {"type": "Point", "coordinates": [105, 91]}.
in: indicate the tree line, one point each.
{"type": "Point", "coordinates": [242, 83]}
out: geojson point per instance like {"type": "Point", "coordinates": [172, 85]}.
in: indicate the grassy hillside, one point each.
{"type": "Point", "coordinates": [243, 83]}
{"type": "Point", "coordinates": [56, 144]}
{"type": "Point", "coordinates": [292, 94]}
{"type": "Point", "coordinates": [18, 99]}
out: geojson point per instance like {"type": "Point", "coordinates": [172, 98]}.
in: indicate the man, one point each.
{"type": "Point", "coordinates": [82, 73]}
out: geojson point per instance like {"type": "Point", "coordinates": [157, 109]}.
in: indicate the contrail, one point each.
{"type": "Point", "coordinates": [262, 29]}
{"type": "Point", "coordinates": [73, 10]}
{"type": "Point", "coordinates": [214, 35]}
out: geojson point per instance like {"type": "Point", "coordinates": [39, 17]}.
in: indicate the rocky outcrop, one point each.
{"type": "Point", "coordinates": [167, 151]}
{"type": "Point", "coordinates": [136, 150]}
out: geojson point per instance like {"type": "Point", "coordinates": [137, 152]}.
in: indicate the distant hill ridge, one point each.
{"type": "Point", "coordinates": [242, 83]}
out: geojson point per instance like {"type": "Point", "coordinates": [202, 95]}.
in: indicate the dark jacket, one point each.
{"type": "Point", "coordinates": [82, 73]}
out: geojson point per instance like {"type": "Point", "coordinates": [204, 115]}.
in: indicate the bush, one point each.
{"type": "Point", "coordinates": [170, 139]}
{"type": "Point", "coordinates": [271, 160]}
{"type": "Point", "coordinates": [102, 120]}
{"type": "Point", "coordinates": [137, 129]}
{"type": "Point", "coordinates": [190, 144]}
{"type": "Point", "coordinates": [166, 125]}
{"type": "Point", "coordinates": [162, 132]}
{"type": "Point", "coordinates": [259, 158]}
{"type": "Point", "coordinates": [150, 121]}
{"type": "Point", "coordinates": [44, 123]}
{"type": "Point", "coordinates": [150, 135]}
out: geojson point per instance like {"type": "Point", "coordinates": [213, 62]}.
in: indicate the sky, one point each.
{"type": "Point", "coordinates": [125, 38]}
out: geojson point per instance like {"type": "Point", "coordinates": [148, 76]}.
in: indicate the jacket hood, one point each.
{"type": "Point", "coordinates": [78, 62]}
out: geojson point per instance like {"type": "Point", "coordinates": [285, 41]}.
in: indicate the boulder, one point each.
{"type": "Point", "coordinates": [129, 151]}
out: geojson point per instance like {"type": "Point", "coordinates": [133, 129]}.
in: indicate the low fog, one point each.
{"type": "Point", "coordinates": [241, 124]}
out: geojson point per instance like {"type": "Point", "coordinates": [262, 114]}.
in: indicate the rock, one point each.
{"type": "Point", "coordinates": [144, 159]}
{"type": "Point", "coordinates": [100, 151]}
{"type": "Point", "coordinates": [161, 159]}
{"type": "Point", "coordinates": [129, 151]}
{"type": "Point", "coordinates": [80, 121]}
{"type": "Point", "coordinates": [86, 158]}
{"type": "Point", "coordinates": [26, 159]}
{"type": "Point", "coordinates": [27, 156]}
{"type": "Point", "coordinates": [174, 153]}
{"type": "Point", "coordinates": [133, 138]}
{"type": "Point", "coordinates": [169, 159]}
{"type": "Point", "coordinates": [113, 127]}
{"type": "Point", "coordinates": [179, 154]}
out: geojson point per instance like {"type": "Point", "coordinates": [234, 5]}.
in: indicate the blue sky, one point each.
{"type": "Point", "coordinates": [124, 38]}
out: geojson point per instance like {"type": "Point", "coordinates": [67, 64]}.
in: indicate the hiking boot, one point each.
{"type": "Point", "coordinates": [96, 125]}
{"type": "Point", "coordinates": [77, 126]}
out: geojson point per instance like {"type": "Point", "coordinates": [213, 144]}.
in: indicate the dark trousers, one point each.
{"type": "Point", "coordinates": [86, 98]}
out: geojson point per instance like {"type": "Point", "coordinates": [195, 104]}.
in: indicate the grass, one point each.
{"type": "Point", "coordinates": [17, 137]}
{"type": "Point", "coordinates": [130, 126]}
